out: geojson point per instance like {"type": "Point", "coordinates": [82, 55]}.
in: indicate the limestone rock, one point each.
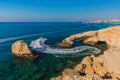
{"type": "Point", "coordinates": [70, 74]}
{"type": "Point", "coordinates": [20, 48]}
{"type": "Point", "coordinates": [86, 60]}
{"type": "Point", "coordinates": [63, 44]}
{"type": "Point", "coordinates": [112, 61]}
{"type": "Point", "coordinates": [99, 69]}
{"type": "Point", "coordinates": [93, 77]}
{"type": "Point", "coordinates": [98, 66]}
{"type": "Point", "coordinates": [89, 70]}
{"type": "Point", "coordinates": [103, 67]}
{"type": "Point", "coordinates": [79, 68]}
{"type": "Point", "coordinates": [57, 78]}
{"type": "Point", "coordinates": [109, 35]}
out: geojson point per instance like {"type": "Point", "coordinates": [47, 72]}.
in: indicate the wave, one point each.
{"type": "Point", "coordinates": [33, 35]}
{"type": "Point", "coordinates": [40, 46]}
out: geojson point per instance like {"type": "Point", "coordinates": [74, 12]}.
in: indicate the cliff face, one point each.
{"type": "Point", "coordinates": [111, 61]}
{"type": "Point", "coordinates": [105, 66]}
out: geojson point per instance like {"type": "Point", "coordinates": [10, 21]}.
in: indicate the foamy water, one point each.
{"type": "Point", "coordinates": [39, 45]}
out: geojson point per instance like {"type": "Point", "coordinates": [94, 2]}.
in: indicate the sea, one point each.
{"type": "Point", "coordinates": [46, 65]}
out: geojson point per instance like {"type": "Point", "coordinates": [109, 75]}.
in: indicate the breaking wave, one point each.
{"type": "Point", "coordinates": [40, 46]}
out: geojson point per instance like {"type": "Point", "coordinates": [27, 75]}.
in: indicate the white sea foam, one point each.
{"type": "Point", "coordinates": [39, 45]}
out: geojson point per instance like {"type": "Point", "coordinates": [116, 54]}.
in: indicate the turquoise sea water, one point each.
{"type": "Point", "coordinates": [46, 65]}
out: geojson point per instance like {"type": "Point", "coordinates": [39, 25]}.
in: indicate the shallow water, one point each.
{"type": "Point", "coordinates": [46, 65]}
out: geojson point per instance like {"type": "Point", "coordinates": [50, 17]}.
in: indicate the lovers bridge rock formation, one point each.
{"type": "Point", "coordinates": [109, 35]}
{"type": "Point", "coordinates": [105, 66]}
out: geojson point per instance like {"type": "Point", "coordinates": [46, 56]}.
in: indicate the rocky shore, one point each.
{"type": "Point", "coordinates": [103, 67]}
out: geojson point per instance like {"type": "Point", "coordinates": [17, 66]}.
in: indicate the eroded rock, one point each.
{"type": "Point", "coordinates": [105, 66]}
{"type": "Point", "coordinates": [20, 49]}
{"type": "Point", "coordinates": [109, 35]}
{"type": "Point", "coordinates": [111, 60]}
{"type": "Point", "coordinates": [87, 71]}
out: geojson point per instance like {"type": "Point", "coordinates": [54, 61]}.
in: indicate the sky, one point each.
{"type": "Point", "coordinates": [58, 10]}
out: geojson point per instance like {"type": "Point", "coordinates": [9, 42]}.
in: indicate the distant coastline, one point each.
{"type": "Point", "coordinates": [105, 21]}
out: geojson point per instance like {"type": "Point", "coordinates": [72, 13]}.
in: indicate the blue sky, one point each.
{"type": "Point", "coordinates": [58, 10]}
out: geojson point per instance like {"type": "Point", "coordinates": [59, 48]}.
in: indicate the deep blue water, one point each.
{"type": "Point", "coordinates": [46, 66]}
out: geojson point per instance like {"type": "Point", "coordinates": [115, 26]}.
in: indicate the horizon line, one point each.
{"type": "Point", "coordinates": [38, 22]}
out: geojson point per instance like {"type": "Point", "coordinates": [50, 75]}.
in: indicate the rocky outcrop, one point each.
{"type": "Point", "coordinates": [105, 66]}
{"type": "Point", "coordinates": [109, 35]}
{"type": "Point", "coordinates": [111, 60]}
{"type": "Point", "coordinates": [90, 68]}
{"type": "Point", "coordinates": [20, 49]}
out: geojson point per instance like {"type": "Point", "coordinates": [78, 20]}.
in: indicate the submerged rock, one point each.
{"type": "Point", "coordinates": [20, 49]}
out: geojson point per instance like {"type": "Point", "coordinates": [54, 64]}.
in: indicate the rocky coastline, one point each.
{"type": "Point", "coordinates": [109, 35]}
{"type": "Point", "coordinates": [103, 67]}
